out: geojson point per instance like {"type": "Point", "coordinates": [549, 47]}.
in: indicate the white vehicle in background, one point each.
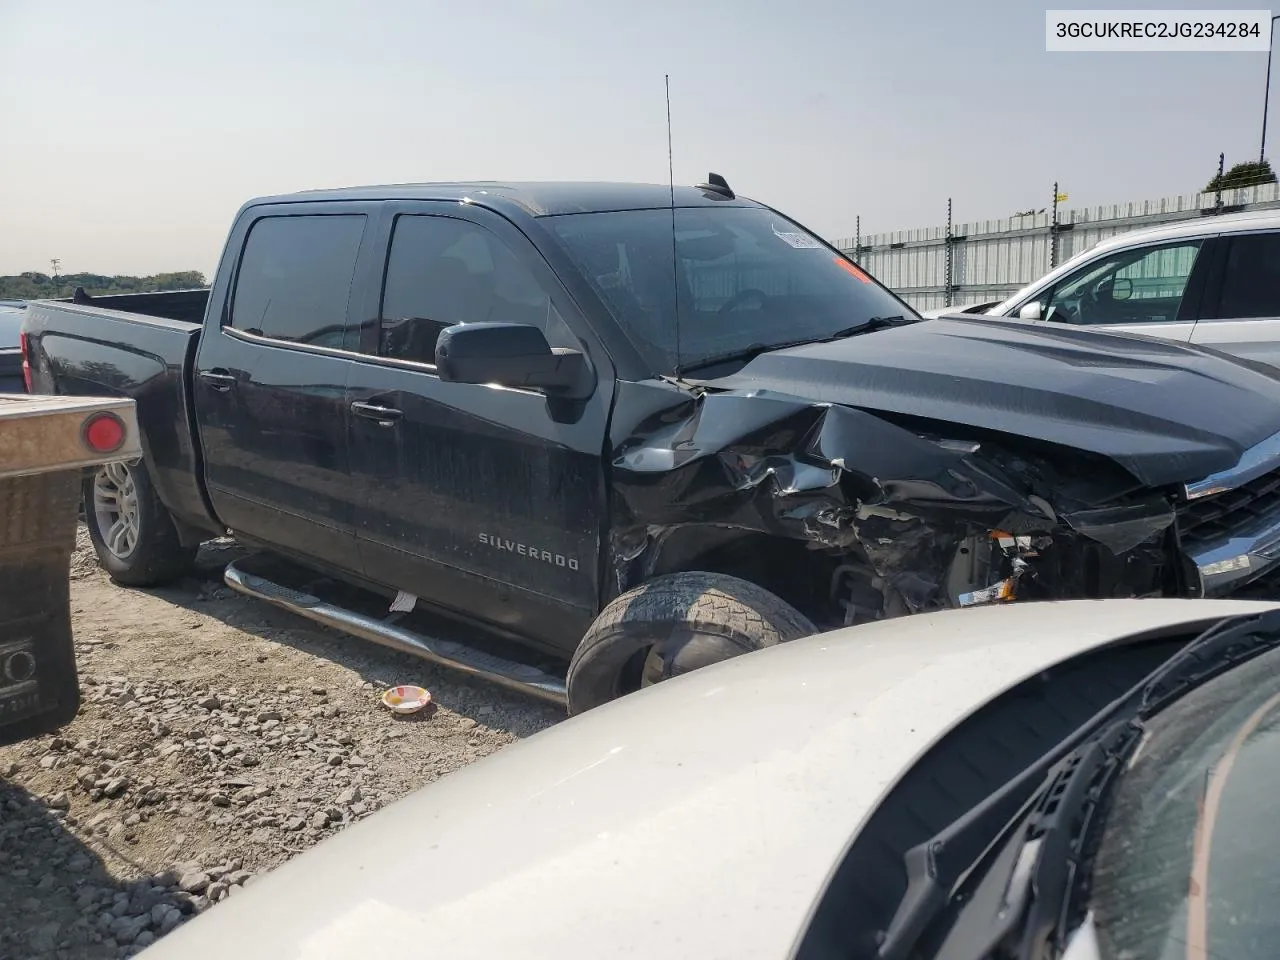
{"type": "Point", "coordinates": [959, 308]}
{"type": "Point", "coordinates": [1213, 281]}
{"type": "Point", "coordinates": [825, 798]}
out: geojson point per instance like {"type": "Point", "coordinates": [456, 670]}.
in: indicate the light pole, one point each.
{"type": "Point", "coordinates": [1266, 94]}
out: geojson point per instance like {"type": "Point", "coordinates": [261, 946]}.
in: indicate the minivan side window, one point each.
{"type": "Point", "coordinates": [443, 271]}
{"type": "Point", "coordinates": [1251, 278]}
{"type": "Point", "coordinates": [294, 279]}
{"type": "Point", "coordinates": [1141, 285]}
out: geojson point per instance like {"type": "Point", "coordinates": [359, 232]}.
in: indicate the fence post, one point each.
{"type": "Point", "coordinates": [948, 258]}
{"type": "Point", "coordinates": [1053, 230]}
{"type": "Point", "coordinates": [857, 239]}
{"type": "Point", "coordinates": [1217, 194]}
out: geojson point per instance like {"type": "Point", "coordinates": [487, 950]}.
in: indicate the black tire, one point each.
{"type": "Point", "coordinates": [674, 624]}
{"type": "Point", "coordinates": [157, 556]}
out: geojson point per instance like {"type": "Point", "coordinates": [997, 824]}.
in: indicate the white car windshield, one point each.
{"type": "Point", "coordinates": [1187, 865]}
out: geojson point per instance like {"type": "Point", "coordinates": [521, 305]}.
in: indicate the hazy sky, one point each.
{"type": "Point", "coordinates": [131, 131]}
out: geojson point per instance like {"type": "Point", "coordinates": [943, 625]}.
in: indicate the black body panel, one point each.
{"type": "Point", "coordinates": [92, 351]}
{"type": "Point", "coordinates": [1166, 412]}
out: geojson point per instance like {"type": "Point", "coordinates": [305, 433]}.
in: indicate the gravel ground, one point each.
{"type": "Point", "coordinates": [217, 738]}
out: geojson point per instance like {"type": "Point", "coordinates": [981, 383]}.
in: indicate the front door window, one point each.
{"type": "Point", "coordinates": [1145, 285]}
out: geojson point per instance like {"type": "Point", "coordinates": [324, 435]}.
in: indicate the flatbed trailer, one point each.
{"type": "Point", "coordinates": [48, 445]}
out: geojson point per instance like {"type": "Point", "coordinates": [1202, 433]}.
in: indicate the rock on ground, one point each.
{"type": "Point", "coordinates": [217, 738]}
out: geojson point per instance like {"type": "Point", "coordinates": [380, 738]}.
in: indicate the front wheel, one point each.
{"type": "Point", "coordinates": [132, 532]}
{"type": "Point", "coordinates": [671, 625]}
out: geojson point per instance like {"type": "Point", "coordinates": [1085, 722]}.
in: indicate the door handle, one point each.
{"type": "Point", "coordinates": [219, 379]}
{"type": "Point", "coordinates": [384, 416]}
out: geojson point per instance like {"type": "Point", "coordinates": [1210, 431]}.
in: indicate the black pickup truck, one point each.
{"type": "Point", "coordinates": [644, 430]}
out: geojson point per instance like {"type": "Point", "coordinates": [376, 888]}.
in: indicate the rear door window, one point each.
{"type": "Point", "coordinates": [295, 276]}
{"type": "Point", "coordinates": [1251, 278]}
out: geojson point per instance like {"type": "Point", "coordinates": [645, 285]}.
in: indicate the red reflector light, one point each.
{"type": "Point", "coordinates": [26, 361]}
{"type": "Point", "coordinates": [104, 433]}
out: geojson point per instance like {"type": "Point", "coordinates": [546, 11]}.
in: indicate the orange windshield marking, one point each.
{"type": "Point", "coordinates": [844, 264]}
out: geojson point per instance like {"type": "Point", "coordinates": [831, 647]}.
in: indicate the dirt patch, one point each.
{"type": "Point", "coordinates": [217, 738]}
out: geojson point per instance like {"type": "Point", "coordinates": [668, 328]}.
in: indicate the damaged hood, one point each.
{"type": "Point", "coordinates": [699, 818]}
{"type": "Point", "coordinates": [1166, 412]}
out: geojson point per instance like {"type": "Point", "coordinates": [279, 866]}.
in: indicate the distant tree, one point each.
{"type": "Point", "coordinates": [33, 285]}
{"type": "Point", "coordinates": [1247, 174]}
{"type": "Point", "coordinates": [187, 280]}
{"type": "Point", "coordinates": [99, 372]}
{"type": "Point", "coordinates": [1029, 213]}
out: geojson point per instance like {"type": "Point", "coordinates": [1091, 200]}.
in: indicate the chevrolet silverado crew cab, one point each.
{"type": "Point", "coordinates": [642, 429]}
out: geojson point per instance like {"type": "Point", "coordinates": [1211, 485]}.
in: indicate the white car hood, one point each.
{"type": "Point", "coordinates": [697, 819]}
{"type": "Point", "coordinates": [963, 309]}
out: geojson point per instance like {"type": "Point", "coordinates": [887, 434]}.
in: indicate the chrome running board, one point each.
{"type": "Point", "coordinates": [507, 673]}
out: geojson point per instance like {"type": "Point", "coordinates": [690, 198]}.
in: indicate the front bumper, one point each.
{"type": "Point", "coordinates": [1231, 562]}
{"type": "Point", "coordinates": [1229, 523]}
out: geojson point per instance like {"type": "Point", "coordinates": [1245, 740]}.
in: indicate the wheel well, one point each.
{"type": "Point", "coordinates": [785, 567]}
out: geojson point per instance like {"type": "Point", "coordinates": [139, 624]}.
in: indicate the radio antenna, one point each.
{"type": "Point", "coordinates": [675, 260]}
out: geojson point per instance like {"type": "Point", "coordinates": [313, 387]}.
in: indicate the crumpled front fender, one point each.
{"type": "Point", "coordinates": [836, 478]}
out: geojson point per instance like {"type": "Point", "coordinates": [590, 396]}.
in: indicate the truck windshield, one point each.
{"type": "Point", "coordinates": [745, 278]}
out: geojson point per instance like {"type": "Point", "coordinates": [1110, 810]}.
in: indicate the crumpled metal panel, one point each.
{"type": "Point", "coordinates": [837, 477]}
{"type": "Point", "coordinates": [1165, 413]}
{"type": "Point", "coordinates": [769, 462]}
{"type": "Point", "coordinates": [1121, 528]}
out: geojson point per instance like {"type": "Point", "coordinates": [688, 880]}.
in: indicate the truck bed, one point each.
{"type": "Point", "coordinates": [186, 306]}
{"type": "Point", "coordinates": [84, 349]}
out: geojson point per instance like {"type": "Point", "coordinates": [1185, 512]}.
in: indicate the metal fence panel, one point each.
{"type": "Point", "coordinates": [992, 259]}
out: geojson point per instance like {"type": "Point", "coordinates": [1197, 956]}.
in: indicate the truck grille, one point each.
{"type": "Point", "coordinates": [1222, 514]}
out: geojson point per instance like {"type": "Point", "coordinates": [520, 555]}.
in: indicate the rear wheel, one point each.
{"type": "Point", "coordinates": [674, 624]}
{"type": "Point", "coordinates": [132, 532]}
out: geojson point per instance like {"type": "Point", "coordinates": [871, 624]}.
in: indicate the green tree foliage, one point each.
{"type": "Point", "coordinates": [39, 286]}
{"type": "Point", "coordinates": [1248, 174]}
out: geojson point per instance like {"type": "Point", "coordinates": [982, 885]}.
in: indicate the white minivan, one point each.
{"type": "Point", "coordinates": [1213, 281]}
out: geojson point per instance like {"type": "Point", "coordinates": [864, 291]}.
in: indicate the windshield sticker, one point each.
{"type": "Point", "coordinates": [852, 268]}
{"type": "Point", "coordinates": [800, 241]}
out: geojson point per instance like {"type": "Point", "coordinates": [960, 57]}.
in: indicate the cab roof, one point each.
{"type": "Point", "coordinates": [534, 199]}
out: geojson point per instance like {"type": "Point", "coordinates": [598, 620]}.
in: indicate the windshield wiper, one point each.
{"type": "Point", "coordinates": [744, 353]}
{"type": "Point", "coordinates": [1021, 901]}
{"type": "Point", "coordinates": [875, 323]}
{"type": "Point", "coordinates": [987, 837]}
{"type": "Point", "coordinates": [868, 326]}
{"type": "Point", "coordinates": [754, 350]}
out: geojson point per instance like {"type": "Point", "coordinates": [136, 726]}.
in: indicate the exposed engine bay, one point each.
{"type": "Point", "coordinates": [897, 515]}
